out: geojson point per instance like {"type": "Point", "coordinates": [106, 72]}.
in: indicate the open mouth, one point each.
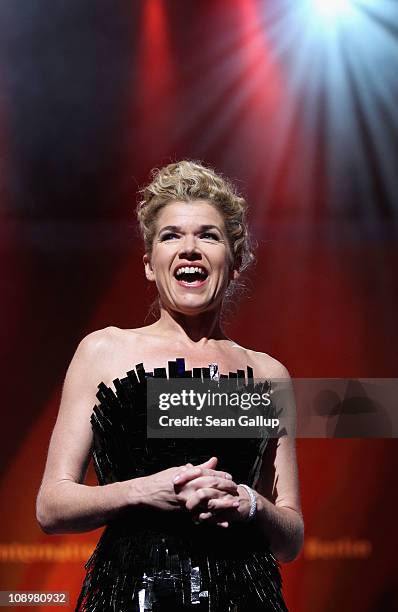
{"type": "Point", "coordinates": [191, 276]}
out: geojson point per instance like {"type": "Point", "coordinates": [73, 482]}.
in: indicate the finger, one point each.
{"type": "Point", "coordinates": [186, 475]}
{"type": "Point", "coordinates": [202, 490]}
{"type": "Point", "coordinates": [220, 505]}
{"type": "Point", "coordinates": [224, 503]}
{"type": "Point", "coordinates": [206, 497]}
{"type": "Point", "coordinates": [204, 516]}
{"type": "Point", "coordinates": [216, 482]}
{"type": "Point", "coordinates": [210, 463]}
{"type": "Point", "coordinates": [189, 472]}
{"type": "Point", "coordinates": [206, 467]}
{"type": "Point", "coordinates": [197, 500]}
{"type": "Point", "coordinates": [209, 517]}
{"type": "Point", "coordinates": [201, 498]}
{"type": "Point", "coordinates": [184, 467]}
{"type": "Point", "coordinates": [222, 517]}
{"type": "Point", "coordinates": [219, 473]}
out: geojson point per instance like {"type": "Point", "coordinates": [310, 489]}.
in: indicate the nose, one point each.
{"type": "Point", "coordinates": [189, 248]}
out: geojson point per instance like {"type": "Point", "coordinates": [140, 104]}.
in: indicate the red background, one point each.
{"type": "Point", "coordinates": [94, 95]}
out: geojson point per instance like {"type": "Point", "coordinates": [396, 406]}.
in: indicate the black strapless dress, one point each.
{"type": "Point", "coordinates": [160, 561]}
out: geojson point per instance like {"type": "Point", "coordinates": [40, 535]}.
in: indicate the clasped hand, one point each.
{"type": "Point", "coordinates": [210, 495]}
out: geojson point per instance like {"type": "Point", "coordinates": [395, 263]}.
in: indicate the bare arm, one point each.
{"type": "Point", "coordinates": [66, 505]}
{"type": "Point", "coordinates": [63, 503]}
{"type": "Point", "coordinates": [282, 521]}
{"type": "Point", "coordinates": [278, 501]}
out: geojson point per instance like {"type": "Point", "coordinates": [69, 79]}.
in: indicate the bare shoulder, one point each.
{"type": "Point", "coordinates": [267, 366]}
{"type": "Point", "coordinates": [116, 350]}
{"type": "Point", "coordinates": [98, 340]}
{"type": "Point", "coordinates": [283, 392]}
{"type": "Point", "coordinates": [117, 334]}
{"type": "Point", "coordinates": [133, 342]}
{"type": "Point", "coordinates": [92, 354]}
{"type": "Point", "coordinates": [102, 340]}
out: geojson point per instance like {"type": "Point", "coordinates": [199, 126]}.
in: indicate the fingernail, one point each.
{"type": "Point", "coordinates": [235, 505]}
{"type": "Point", "coordinates": [176, 479]}
{"type": "Point", "coordinates": [228, 476]}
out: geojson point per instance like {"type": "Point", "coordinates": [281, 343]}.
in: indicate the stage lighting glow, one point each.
{"type": "Point", "coordinates": [339, 64]}
{"type": "Point", "coordinates": [331, 8]}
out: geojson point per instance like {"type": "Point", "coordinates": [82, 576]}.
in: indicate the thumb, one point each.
{"type": "Point", "coordinates": [210, 463]}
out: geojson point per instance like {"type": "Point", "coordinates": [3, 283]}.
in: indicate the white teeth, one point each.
{"type": "Point", "coordinates": [190, 270]}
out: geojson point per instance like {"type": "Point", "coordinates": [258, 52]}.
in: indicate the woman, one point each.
{"type": "Point", "coordinates": [186, 530]}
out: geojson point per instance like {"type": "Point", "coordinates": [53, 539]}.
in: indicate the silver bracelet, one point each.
{"type": "Point", "coordinates": [253, 501]}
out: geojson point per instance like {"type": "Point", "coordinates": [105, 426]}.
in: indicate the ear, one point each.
{"type": "Point", "coordinates": [234, 270]}
{"type": "Point", "coordinates": [148, 267]}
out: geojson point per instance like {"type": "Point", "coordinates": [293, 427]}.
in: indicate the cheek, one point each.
{"type": "Point", "coordinates": [159, 259]}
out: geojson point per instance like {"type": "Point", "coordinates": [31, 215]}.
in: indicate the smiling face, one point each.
{"type": "Point", "coordinates": [191, 260]}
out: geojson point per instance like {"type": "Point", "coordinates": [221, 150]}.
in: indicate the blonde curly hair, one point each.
{"type": "Point", "coordinates": [189, 180]}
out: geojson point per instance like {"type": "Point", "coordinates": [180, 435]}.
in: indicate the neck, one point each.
{"type": "Point", "coordinates": [197, 329]}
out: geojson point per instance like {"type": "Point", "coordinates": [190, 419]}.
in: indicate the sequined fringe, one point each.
{"type": "Point", "coordinates": [141, 564]}
{"type": "Point", "coordinates": [170, 579]}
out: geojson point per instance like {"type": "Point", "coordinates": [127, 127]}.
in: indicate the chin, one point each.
{"type": "Point", "coordinates": [192, 308]}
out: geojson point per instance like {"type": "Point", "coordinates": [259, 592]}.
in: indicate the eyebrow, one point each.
{"type": "Point", "coordinates": [177, 228]}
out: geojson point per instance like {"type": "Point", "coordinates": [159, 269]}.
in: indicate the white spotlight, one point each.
{"type": "Point", "coordinates": [330, 8]}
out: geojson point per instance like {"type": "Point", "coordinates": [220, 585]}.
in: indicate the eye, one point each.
{"type": "Point", "coordinates": [211, 235]}
{"type": "Point", "coordinates": [168, 236]}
